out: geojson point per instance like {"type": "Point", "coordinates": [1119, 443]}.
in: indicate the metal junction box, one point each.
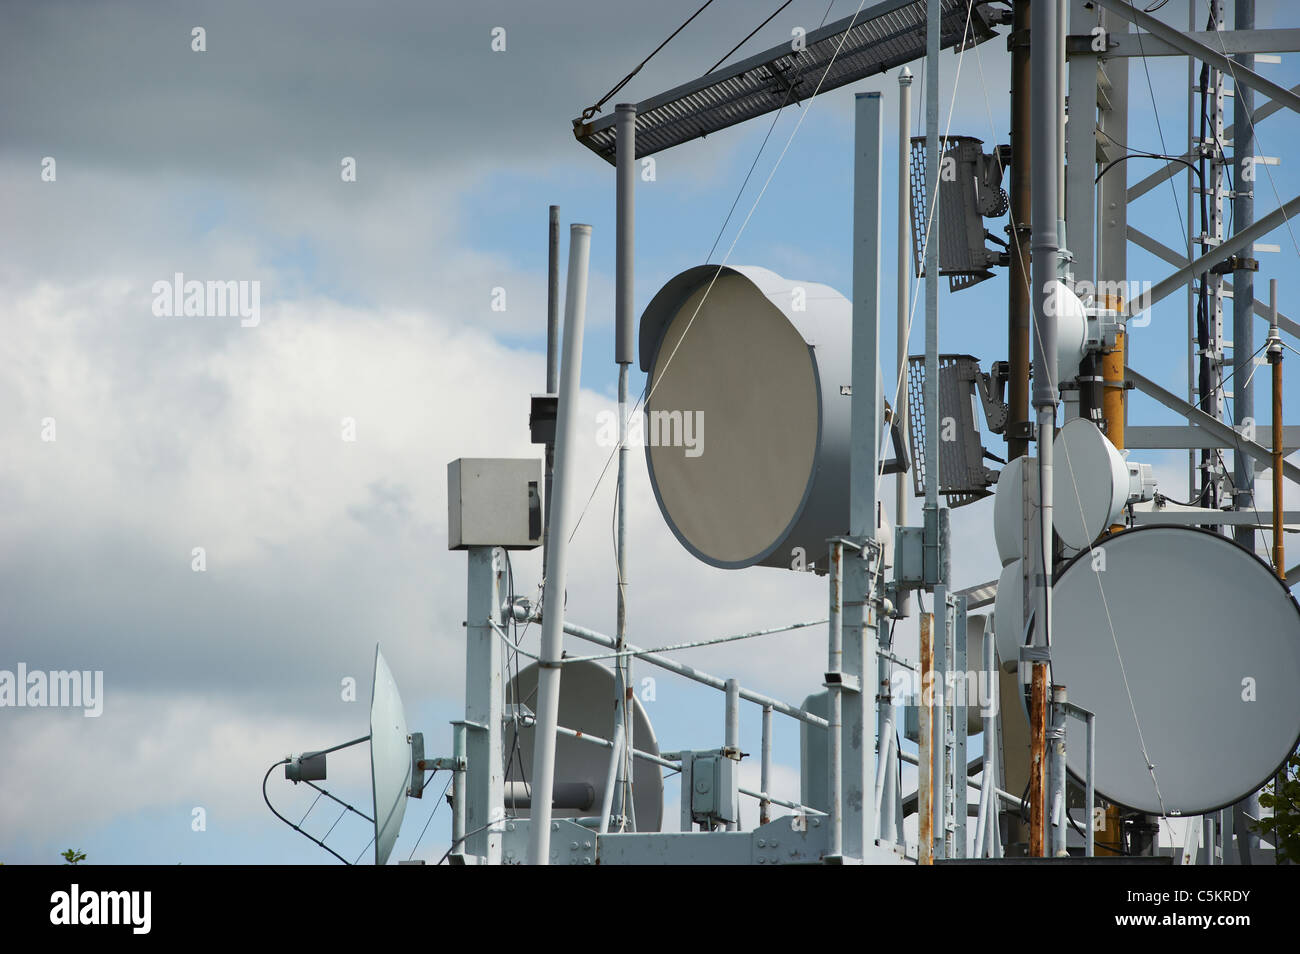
{"type": "Point", "coordinates": [714, 788]}
{"type": "Point", "coordinates": [494, 502]}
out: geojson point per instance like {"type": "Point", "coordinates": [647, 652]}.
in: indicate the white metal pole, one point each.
{"type": "Point", "coordinates": [933, 547]}
{"type": "Point", "coordinates": [982, 816]}
{"type": "Point", "coordinates": [459, 793]}
{"type": "Point", "coordinates": [862, 601]}
{"type": "Point", "coordinates": [1057, 739]}
{"type": "Point", "coordinates": [732, 737]}
{"type": "Point", "coordinates": [1045, 255]}
{"type": "Point", "coordinates": [624, 317]}
{"type": "Point", "coordinates": [902, 283]}
{"type": "Point", "coordinates": [548, 671]}
{"type": "Point", "coordinates": [991, 742]}
{"type": "Point", "coordinates": [611, 777]}
{"type": "Point", "coordinates": [552, 357]}
{"type": "Point", "coordinates": [835, 730]}
{"type": "Point", "coordinates": [1090, 792]}
{"type": "Point", "coordinates": [484, 701]}
{"type": "Point", "coordinates": [1046, 248]}
{"type": "Point", "coordinates": [765, 769]}
{"type": "Point", "coordinates": [888, 826]}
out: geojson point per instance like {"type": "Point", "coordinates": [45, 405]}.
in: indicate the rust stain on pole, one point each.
{"type": "Point", "coordinates": [925, 786]}
{"type": "Point", "coordinates": [1038, 728]}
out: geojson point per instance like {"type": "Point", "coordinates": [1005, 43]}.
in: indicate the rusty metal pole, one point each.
{"type": "Point", "coordinates": [1018, 307]}
{"type": "Point", "coordinates": [925, 783]}
{"type": "Point", "coordinates": [1037, 791]}
{"type": "Point", "coordinates": [1019, 234]}
{"type": "Point", "coordinates": [1046, 243]}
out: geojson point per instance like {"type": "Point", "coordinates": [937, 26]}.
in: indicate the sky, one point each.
{"type": "Point", "coordinates": [173, 435]}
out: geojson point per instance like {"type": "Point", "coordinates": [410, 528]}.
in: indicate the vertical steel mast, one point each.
{"type": "Point", "coordinates": [549, 659]}
{"type": "Point", "coordinates": [624, 318]}
{"type": "Point", "coordinates": [934, 553]}
{"type": "Point", "coordinates": [1044, 185]}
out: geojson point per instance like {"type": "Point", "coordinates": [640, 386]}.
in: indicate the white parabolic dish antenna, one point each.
{"type": "Point", "coordinates": [1008, 610]}
{"type": "Point", "coordinates": [758, 366]}
{"type": "Point", "coordinates": [1209, 640]}
{"type": "Point", "coordinates": [586, 705]}
{"type": "Point", "coordinates": [1091, 486]}
{"type": "Point", "coordinates": [390, 758]}
{"type": "Point", "coordinates": [1009, 510]}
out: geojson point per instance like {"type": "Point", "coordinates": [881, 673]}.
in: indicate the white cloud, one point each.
{"type": "Point", "coordinates": [176, 433]}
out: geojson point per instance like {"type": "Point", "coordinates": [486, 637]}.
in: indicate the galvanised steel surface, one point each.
{"type": "Point", "coordinates": [878, 39]}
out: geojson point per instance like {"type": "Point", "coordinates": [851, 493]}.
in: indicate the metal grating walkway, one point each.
{"type": "Point", "coordinates": [880, 38]}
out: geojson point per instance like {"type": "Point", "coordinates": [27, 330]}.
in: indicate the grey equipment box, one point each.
{"type": "Point", "coordinates": [715, 778]}
{"type": "Point", "coordinates": [494, 502]}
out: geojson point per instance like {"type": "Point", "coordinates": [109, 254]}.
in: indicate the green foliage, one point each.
{"type": "Point", "coordinates": [73, 857]}
{"type": "Point", "coordinates": [1282, 825]}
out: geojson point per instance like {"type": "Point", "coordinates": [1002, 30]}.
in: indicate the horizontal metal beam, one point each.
{"type": "Point", "coordinates": [1206, 54]}
{"type": "Point", "coordinates": [1160, 250]}
{"type": "Point", "coordinates": [869, 42]}
{"type": "Point", "coordinates": [676, 848]}
{"type": "Point", "coordinates": [690, 672]}
{"type": "Point", "coordinates": [1216, 427]}
{"type": "Point", "coordinates": [606, 744]}
{"type": "Point", "coordinates": [1241, 240]}
{"type": "Point", "coordinates": [783, 802]}
{"type": "Point", "coordinates": [1172, 169]}
{"type": "Point", "coordinates": [1191, 437]}
{"type": "Point", "coordinates": [1234, 42]}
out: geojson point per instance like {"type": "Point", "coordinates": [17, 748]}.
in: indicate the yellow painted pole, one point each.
{"type": "Point", "coordinates": [1112, 398]}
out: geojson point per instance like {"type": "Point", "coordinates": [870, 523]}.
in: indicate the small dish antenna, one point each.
{"type": "Point", "coordinates": [984, 692]}
{"type": "Point", "coordinates": [396, 765]}
{"type": "Point", "coordinates": [1018, 478]}
{"type": "Point", "coordinates": [1091, 486]}
{"type": "Point", "coordinates": [390, 758]}
{"type": "Point", "coordinates": [1008, 611]}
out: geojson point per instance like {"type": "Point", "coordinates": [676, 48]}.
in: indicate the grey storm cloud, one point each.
{"type": "Point", "coordinates": [411, 85]}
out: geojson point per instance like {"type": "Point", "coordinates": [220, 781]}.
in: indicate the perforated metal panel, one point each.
{"type": "Point", "coordinates": [964, 201]}
{"type": "Point", "coordinates": [963, 478]}
{"type": "Point", "coordinates": [878, 39]}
